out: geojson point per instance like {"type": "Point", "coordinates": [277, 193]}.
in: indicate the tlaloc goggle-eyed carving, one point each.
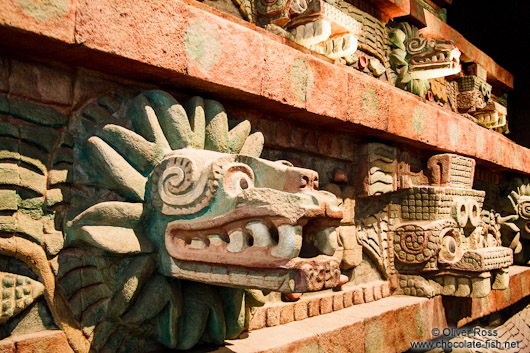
{"type": "Point", "coordinates": [442, 233]}
{"type": "Point", "coordinates": [439, 241]}
{"type": "Point", "coordinates": [200, 195]}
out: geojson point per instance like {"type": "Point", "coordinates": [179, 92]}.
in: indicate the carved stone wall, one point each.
{"type": "Point", "coordinates": [206, 202]}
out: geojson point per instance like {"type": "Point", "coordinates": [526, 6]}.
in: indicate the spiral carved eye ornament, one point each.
{"type": "Point", "coordinates": [414, 244]}
{"type": "Point", "coordinates": [416, 45]}
{"type": "Point", "coordinates": [178, 188]}
{"type": "Point", "coordinates": [524, 209]}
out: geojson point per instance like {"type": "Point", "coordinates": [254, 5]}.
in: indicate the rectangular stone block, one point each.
{"type": "Point", "coordinates": [286, 75]}
{"type": "Point", "coordinates": [273, 316]}
{"type": "Point", "coordinates": [338, 301]}
{"type": "Point", "coordinates": [326, 305]}
{"type": "Point", "coordinates": [300, 310]}
{"type": "Point", "coordinates": [259, 319]}
{"type": "Point", "coordinates": [372, 99]}
{"type": "Point", "coordinates": [368, 294]}
{"type": "Point", "coordinates": [52, 19]}
{"type": "Point", "coordinates": [286, 313]}
{"type": "Point", "coordinates": [313, 307]}
{"type": "Point", "coordinates": [42, 342]}
{"type": "Point", "coordinates": [378, 293]}
{"type": "Point", "coordinates": [348, 299]}
{"type": "Point", "coordinates": [8, 200]}
{"type": "Point", "coordinates": [41, 82]}
{"type": "Point", "coordinates": [325, 95]}
{"type": "Point", "coordinates": [385, 289]}
{"type": "Point", "coordinates": [358, 297]}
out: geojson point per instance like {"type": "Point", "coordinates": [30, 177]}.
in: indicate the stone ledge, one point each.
{"type": "Point", "coordinates": [367, 327]}
{"type": "Point", "coordinates": [38, 342]}
{"type": "Point", "coordinates": [161, 42]}
{"type": "Point", "coordinates": [386, 325]}
{"type": "Point", "coordinates": [461, 311]}
{"type": "Point", "coordinates": [314, 304]}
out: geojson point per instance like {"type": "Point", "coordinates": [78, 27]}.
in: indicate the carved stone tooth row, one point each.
{"type": "Point", "coordinates": [434, 58]}
{"type": "Point", "coordinates": [312, 33]}
{"type": "Point", "coordinates": [340, 46]}
{"type": "Point", "coordinates": [289, 240]}
{"type": "Point", "coordinates": [476, 287]}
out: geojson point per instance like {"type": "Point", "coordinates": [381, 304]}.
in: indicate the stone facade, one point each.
{"type": "Point", "coordinates": [167, 184]}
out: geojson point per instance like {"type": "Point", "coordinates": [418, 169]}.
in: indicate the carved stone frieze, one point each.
{"type": "Point", "coordinates": [414, 59]}
{"type": "Point", "coordinates": [426, 226]}
{"type": "Point", "coordinates": [160, 202]}
{"type": "Point", "coordinates": [315, 24]}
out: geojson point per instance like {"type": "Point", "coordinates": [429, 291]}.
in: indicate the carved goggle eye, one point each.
{"type": "Point", "coordinates": [450, 251]}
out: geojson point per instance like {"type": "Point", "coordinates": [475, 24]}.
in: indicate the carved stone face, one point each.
{"type": "Point", "coordinates": [240, 221]}
{"type": "Point", "coordinates": [455, 246]}
{"type": "Point", "coordinates": [431, 58]}
{"type": "Point", "coordinates": [314, 24]}
{"type": "Point", "coordinates": [184, 187]}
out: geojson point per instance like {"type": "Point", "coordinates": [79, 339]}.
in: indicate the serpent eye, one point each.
{"type": "Point", "coordinates": [431, 42]}
{"type": "Point", "coordinates": [238, 178]}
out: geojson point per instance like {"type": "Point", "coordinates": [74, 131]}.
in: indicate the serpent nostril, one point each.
{"type": "Point", "coordinates": [304, 182]}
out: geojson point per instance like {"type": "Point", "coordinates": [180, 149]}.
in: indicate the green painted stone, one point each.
{"type": "Point", "coordinates": [418, 120]}
{"type": "Point", "coordinates": [35, 113]}
{"type": "Point", "coordinates": [202, 44]}
{"type": "Point", "coordinates": [301, 78]}
{"type": "Point", "coordinates": [370, 103]}
{"type": "Point", "coordinates": [44, 11]}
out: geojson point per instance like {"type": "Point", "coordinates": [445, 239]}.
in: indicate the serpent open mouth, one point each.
{"type": "Point", "coordinates": [436, 63]}
{"type": "Point", "coordinates": [257, 253]}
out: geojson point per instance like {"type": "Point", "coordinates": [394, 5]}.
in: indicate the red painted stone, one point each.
{"type": "Point", "coordinates": [38, 342]}
{"type": "Point", "coordinates": [330, 84]}
{"type": "Point", "coordinates": [276, 78]}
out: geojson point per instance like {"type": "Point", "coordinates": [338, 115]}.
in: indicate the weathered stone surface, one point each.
{"type": "Point", "coordinates": [370, 327]}
{"type": "Point", "coordinates": [42, 342]}
{"type": "Point", "coordinates": [42, 83]}
{"type": "Point", "coordinates": [55, 19]}
{"type": "Point", "coordinates": [321, 97]}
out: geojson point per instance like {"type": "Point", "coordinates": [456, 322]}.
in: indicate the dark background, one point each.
{"type": "Point", "coordinates": [501, 29]}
